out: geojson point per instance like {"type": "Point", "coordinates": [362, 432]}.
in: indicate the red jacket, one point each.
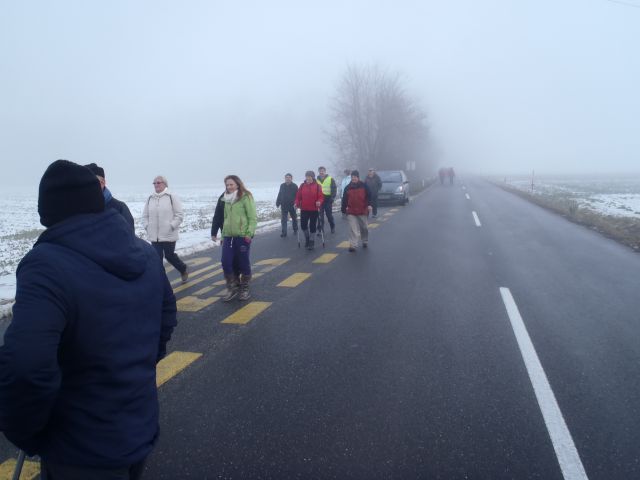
{"type": "Point", "coordinates": [307, 196]}
{"type": "Point", "coordinates": [356, 199]}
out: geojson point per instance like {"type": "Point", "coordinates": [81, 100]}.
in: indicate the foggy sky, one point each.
{"type": "Point", "coordinates": [195, 90]}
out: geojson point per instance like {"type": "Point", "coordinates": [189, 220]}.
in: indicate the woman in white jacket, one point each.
{"type": "Point", "coordinates": [161, 218]}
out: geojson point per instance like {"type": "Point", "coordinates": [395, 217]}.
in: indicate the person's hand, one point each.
{"type": "Point", "coordinates": [318, 204]}
{"type": "Point", "coordinates": [370, 208]}
{"type": "Point", "coordinates": [247, 239]}
{"type": "Point", "coordinates": [214, 238]}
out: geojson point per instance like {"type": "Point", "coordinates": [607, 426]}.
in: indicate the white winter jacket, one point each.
{"type": "Point", "coordinates": [162, 216]}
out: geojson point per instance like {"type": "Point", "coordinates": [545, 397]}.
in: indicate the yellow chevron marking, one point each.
{"type": "Point", "coordinates": [30, 469]}
{"type": "Point", "coordinates": [193, 274]}
{"type": "Point", "coordinates": [173, 364]}
{"type": "Point", "coordinates": [201, 279]}
{"type": "Point", "coordinates": [276, 262]}
{"type": "Point", "coordinates": [344, 244]}
{"type": "Point", "coordinates": [247, 313]}
{"type": "Point", "coordinates": [294, 280]}
{"type": "Point", "coordinates": [194, 304]}
{"type": "Point", "coordinates": [373, 225]}
{"type": "Point", "coordinates": [325, 258]}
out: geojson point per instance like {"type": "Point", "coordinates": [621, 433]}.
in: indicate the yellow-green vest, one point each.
{"type": "Point", "coordinates": [326, 185]}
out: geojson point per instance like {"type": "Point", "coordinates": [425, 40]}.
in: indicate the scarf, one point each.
{"type": "Point", "coordinates": [230, 197]}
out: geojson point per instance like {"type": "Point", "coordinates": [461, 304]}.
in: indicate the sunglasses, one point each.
{"type": "Point", "coordinates": [158, 183]}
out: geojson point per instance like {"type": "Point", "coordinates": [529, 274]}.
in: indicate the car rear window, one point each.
{"type": "Point", "coordinates": [390, 177]}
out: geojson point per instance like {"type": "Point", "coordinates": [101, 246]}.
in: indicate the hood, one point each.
{"type": "Point", "coordinates": [105, 238]}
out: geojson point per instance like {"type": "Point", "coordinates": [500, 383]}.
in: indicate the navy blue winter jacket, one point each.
{"type": "Point", "coordinates": [93, 313]}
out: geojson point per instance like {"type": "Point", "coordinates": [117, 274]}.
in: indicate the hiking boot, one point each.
{"type": "Point", "coordinates": [365, 245]}
{"type": "Point", "coordinates": [233, 288]}
{"type": "Point", "coordinates": [352, 249]}
{"type": "Point", "coordinates": [244, 287]}
{"type": "Point", "coordinates": [333, 229]}
{"type": "Point", "coordinates": [306, 238]}
{"type": "Point", "coordinates": [283, 234]}
{"type": "Point", "coordinates": [184, 276]}
{"type": "Point", "coordinates": [311, 245]}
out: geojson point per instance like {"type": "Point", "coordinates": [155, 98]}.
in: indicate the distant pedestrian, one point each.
{"type": "Point", "coordinates": [374, 183]}
{"type": "Point", "coordinates": [356, 203]}
{"type": "Point", "coordinates": [309, 200]}
{"type": "Point", "coordinates": [286, 200]}
{"type": "Point", "coordinates": [93, 314]}
{"type": "Point", "coordinates": [238, 226]}
{"type": "Point", "coordinates": [329, 190]}
{"type": "Point", "coordinates": [451, 175]}
{"type": "Point", "coordinates": [442, 173]}
{"type": "Point", "coordinates": [346, 180]}
{"type": "Point", "coordinates": [161, 218]}
{"type": "Point", "coordinates": [109, 200]}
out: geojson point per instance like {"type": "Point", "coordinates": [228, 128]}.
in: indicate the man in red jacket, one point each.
{"type": "Point", "coordinates": [309, 200]}
{"type": "Point", "coordinates": [356, 203]}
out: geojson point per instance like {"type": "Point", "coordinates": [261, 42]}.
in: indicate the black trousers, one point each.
{"type": "Point", "coordinates": [285, 211]}
{"type": "Point", "coordinates": [374, 204]}
{"type": "Point", "coordinates": [167, 249]}
{"type": "Point", "coordinates": [327, 208]}
{"type": "Point", "coordinates": [308, 220]}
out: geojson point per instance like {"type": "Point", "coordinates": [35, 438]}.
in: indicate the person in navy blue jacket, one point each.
{"type": "Point", "coordinates": [92, 316]}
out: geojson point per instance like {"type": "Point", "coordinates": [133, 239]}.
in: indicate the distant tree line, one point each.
{"type": "Point", "coordinates": [374, 122]}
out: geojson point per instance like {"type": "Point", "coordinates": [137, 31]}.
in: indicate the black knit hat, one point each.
{"type": "Point", "coordinates": [96, 169]}
{"type": "Point", "coordinates": [355, 173]}
{"type": "Point", "coordinates": [68, 189]}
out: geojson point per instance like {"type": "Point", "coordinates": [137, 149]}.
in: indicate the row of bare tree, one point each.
{"type": "Point", "coordinates": [374, 122]}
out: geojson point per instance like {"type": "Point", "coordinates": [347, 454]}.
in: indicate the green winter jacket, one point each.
{"type": "Point", "coordinates": [240, 218]}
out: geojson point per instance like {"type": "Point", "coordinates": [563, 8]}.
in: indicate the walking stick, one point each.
{"type": "Point", "coordinates": [321, 229]}
{"type": "Point", "coordinates": [298, 231]}
{"type": "Point", "coordinates": [19, 463]}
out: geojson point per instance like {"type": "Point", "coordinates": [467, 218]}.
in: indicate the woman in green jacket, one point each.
{"type": "Point", "coordinates": [238, 228]}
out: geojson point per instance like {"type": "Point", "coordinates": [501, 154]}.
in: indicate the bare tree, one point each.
{"type": "Point", "coordinates": [374, 122]}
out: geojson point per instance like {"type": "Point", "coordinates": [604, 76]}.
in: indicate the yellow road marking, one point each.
{"type": "Point", "coordinates": [388, 214]}
{"type": "Point", "coordinates": [201, 279]}
{"type": "Point", "coordinates": [30, 469]}
{"type": "Point", "coordinates": [273, 261]}
{"type": "Point", "coordinates": [294, 280]}
{"type": "Point", "coordinates": [204, 290]}
{"type": "Point", "coordinates": [344, 244]}
{"type": "Point", "coordinates": [247, 313]}
{"type": "Point", "coordinates": [197, 272]}
{"type": "Point", "coordinates": [373, 225]}
{"type": "Point", "coordinates": [325, 258]}
{"type": "Point", "coordinates": [173, 364]}
{"type": "Point", "coordinates": [194, 304]}
{"type": "Point", "coordinates": [393, 210]}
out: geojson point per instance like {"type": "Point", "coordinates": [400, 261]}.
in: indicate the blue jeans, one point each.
{"type": "Point", "coordinates": [285, 211]}
{"type": "Point", "coordinates": [235, 256]}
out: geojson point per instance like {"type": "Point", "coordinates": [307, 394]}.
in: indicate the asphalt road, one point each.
{"type": "Point", "coordinates": [408, 359]}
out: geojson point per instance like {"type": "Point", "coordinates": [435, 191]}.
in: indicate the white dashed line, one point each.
{"type": "Point", "coordinates": [476, 219]}
{"type": "Point", "coordinates": [568, 458]}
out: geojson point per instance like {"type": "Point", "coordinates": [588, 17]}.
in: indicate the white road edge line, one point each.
{"type": "Point", "coordinates": [467, 195]}
{"type": "Point", "coordinates": [476, 219]}
{"type": "Point", "coordinates": [568, 458]}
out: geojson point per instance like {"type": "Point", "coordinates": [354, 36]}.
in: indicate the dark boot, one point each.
{"type": "Point", "coordinates": [306, 238]}
{"type": "Point", "coordinates": [244, 287]}
{"type": "Point", "coordinates": [311, 245]}
{"type": "Point", "coordinates": [233, 289]}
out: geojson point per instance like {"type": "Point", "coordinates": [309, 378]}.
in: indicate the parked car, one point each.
{"type": "Point", "coordinates": [395, 187]}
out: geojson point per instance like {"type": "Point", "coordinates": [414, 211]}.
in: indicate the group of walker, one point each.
{"type": "Point", "coordinates": [314, 199]}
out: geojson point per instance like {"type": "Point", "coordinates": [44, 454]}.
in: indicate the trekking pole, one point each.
{"type": "Point", "coordinates": [298, 231]}
{"type": "Point", "coordinates": [321, 230]}
{"type": "Point", "coordinates": [19, 463]}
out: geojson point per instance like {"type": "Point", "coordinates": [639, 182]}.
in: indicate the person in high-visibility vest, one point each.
{"type": "Point", "coordinates": [329, 190]}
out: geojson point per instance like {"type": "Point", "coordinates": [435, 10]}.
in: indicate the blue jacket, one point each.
{"type": "Point", "coordinates": [93, 313]}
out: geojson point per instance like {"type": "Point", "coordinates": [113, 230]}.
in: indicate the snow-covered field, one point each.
{"type": "Point", "coordinates": [20, 223]}
{"type": "Point", "coordinates": [606, 195]}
